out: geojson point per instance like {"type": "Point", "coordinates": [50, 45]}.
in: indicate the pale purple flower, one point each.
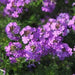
{"type": "Point", "coordinates": [14, 51]}
{"type": "Point", "coordinates": [74, 48]}
{"type": "Point", "coordinates": [27, 1]}
{"type": "Point", "coordinates": [12, 29]}
{"type": "Point", "coordinates": [73, 4]}
{"type": "Point", "coordinates": [66, 1]}
{"type": "Point", "coordinates": [71, 23]}
{"type": "Point", "coordinates": [48, 5]}
{"type": "Point", "coordinates": [27, 34]}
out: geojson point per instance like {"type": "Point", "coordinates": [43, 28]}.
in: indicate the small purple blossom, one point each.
{"type": "Point", "coordinates": [12, 30]}
{"type": "Point", "coordinates": [48, 5]}
{"type": "Point", "coordinates": [74, 48]}
{"type": "Point", "coordinates": [27, 34]}
{"type": "Point", "coordinates": [71, 23]}
{"type": "Point", "coordinates": [73, 4]}
{"type": "Point", "coordinates": [14, 51]}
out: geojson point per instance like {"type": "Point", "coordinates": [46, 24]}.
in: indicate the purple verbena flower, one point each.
{"type": "Point", "coordinates": [12, 30]}
{"type": "Point", "coordinates": [48, 5]}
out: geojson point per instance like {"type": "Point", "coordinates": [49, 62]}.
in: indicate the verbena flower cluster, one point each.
{"type": "Point", "coordinates": [3, 1]}
{"type": "Point", "coordinates": [48, 5]}
{"type": "Point", "coordinates": [12, 31]}
{"type": "Point", "coordinates": [40, 41]}
{"type": "Point", "coordinates": [15, 7]}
